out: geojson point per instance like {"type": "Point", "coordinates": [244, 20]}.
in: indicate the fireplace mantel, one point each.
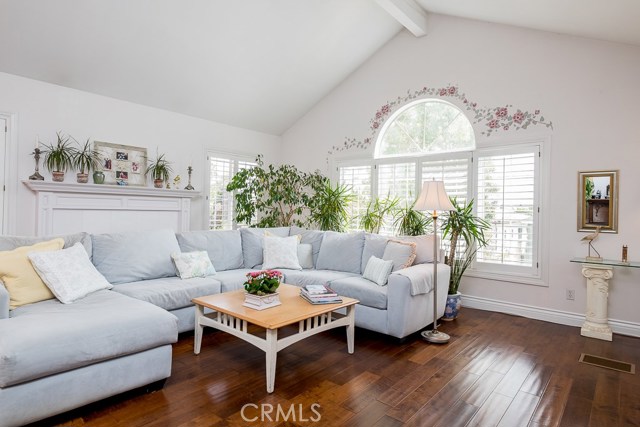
{"type": "Point", "coordinates": [97, 208]}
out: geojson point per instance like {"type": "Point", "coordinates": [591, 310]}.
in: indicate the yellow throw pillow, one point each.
{"type": "Point", "coordinates": [21, 280]}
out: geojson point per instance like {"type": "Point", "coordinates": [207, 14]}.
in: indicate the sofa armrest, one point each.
{"type": "Point", "coordinates": [4, 302]}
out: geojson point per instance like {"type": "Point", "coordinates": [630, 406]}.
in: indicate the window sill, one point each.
{"type": "Point", "coordinates": [510, 278]}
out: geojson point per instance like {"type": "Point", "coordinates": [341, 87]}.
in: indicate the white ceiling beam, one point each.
{"type": "Point", "coordinates": [408, 13]}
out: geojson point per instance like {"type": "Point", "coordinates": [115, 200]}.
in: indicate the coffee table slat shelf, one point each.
{"type": "Point", "coordinates": [230, 316]}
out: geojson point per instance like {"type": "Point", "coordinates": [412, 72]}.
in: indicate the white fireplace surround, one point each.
{"type": "Point", "coordinates": [63, 208]}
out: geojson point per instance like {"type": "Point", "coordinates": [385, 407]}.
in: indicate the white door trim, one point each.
{"type": "Point", "coordinates": [8, 224]}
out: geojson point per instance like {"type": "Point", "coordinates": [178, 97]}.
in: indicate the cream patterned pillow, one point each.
{"type": "Point", "coordinates": [401, 253]}
{"type": "Point", "coordinates": [193, 264]}
{"type": "Point", "coordinates": [281, 252]}
{"type": "Point", "coordinates": [378, 270]}
{"type": "Point", "coordinates": [68, 273]}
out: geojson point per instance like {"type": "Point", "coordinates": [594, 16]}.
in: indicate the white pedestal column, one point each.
{"type": "Point", "coordinates": [596, 324]}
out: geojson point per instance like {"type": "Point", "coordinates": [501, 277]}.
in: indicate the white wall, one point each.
{"type": "Point", "coordinates": [41, 109]}
{"type": "Point", "coordinates": [589, 89]}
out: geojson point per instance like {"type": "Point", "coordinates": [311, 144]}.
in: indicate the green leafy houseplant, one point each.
{"type": "Point", "coordinates": [263, 282]}
{"type": "Point", "coordinates": [159, 169]}
{"type": "Point", "coordinates": [274, 196]}
{"type": "Point", "coordinates": [329, 207]}
{"type": "Point", "coordinates": [378, 209]}
{"type": "Point", "coordinates": [462, 225]}
{"type": "Point", "coordinates": [85, 159]}
{"type": "Point", "coordinates": [58, 157]}
{"type": "Point", "coordinates": [410, 222]}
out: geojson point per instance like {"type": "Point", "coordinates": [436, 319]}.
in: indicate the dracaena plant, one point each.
{"type": "Point", "coordinates": [329, 210]}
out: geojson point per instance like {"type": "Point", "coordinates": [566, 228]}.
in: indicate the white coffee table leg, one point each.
{"type": "Point", "coordinates": [197, 333]}
{"type": "Point", "coordinates": [351, 315]}
{"type": "Point", "coordinates": [271, 357]}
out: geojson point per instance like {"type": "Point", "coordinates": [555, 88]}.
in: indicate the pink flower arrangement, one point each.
{"type": "Point", "coordinates": [263, 282]}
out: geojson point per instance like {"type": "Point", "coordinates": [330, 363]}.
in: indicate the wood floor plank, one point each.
{"type": "Point", "coordinates": [386, 383]}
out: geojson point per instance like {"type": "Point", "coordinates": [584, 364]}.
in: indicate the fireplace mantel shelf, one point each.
{"type": "Point", "coordinates": [120, 190]}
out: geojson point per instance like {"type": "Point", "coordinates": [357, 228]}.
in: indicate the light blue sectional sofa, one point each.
{"type": "Point", "coordinates": [55, 357]}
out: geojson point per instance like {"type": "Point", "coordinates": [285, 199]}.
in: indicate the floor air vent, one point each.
{"type": "Point", "coordinates": [603, 362]}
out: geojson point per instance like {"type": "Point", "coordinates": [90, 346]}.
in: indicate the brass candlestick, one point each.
{"type": "Point", "coordinates": [189, 186]}
{"type": "Point", "coordinates": [624, 253]}
{"type": "Point", "coordinates": [36, 175]}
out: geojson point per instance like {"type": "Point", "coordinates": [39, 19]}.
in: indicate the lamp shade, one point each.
{"type": "Point", "coordinates": [433, 197]}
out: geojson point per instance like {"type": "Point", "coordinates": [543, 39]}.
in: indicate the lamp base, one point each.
{"type": "Point", "coordinates": [435, 337]}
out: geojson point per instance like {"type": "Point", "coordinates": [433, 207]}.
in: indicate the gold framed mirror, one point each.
{"type": "Point", "coordinates": [598, 201]}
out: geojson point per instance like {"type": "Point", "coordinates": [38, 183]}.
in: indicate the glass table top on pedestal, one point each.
{"type": "Point", "coordinates": [598, 273]}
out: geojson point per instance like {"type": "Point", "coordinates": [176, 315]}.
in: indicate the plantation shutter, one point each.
{"type": "Point", "coordinates": [359, 179]}
{"type": "Point", "coordinates": [396, 180]}
{"type": "Point", "coordinates": [507, 199]}
{"type": "Point", "coordinates": [454, 173]}
{"type": "Point", "coordinates": [221, 202]}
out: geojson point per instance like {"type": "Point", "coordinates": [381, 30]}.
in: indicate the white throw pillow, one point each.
{"type": "Point", "coordinates": [192, 264]}
{"type": "Point", "coordinates": [401, 253]}
{"type": "Point", "coordinates": [378, 270]}
{"type": "Point", "coordinates": [305, 255]}
{"type": "Point", "coordinates": [68, 273]}
{"type": "Point", "coordinates": [281, 252]}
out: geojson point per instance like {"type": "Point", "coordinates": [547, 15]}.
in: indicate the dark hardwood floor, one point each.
{"type": "Point", "coordinates": [498, 370]}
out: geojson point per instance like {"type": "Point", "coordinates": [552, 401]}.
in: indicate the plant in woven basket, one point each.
{"type": "Point", "coordinates": [263, 282]}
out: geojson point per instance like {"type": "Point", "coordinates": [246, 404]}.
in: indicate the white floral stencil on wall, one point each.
{"type": "Point", "coordinates": [490, 119]}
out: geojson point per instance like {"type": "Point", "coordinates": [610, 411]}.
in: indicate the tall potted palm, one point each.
{"type": "Point", "coordinates": [377, 211]}
{"type": "Point", "coordinates": [329, 207]}
{"type": "Point", "coordinates": [461, 225]}
{"type": "Point", "coordinates": [410, 222]}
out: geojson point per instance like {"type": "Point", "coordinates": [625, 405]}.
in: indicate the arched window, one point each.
{"type": "Point", "coordinates": [426, 126]}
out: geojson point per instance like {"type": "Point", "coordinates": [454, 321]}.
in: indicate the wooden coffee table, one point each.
{"type": "Point", "coordinates": [229, 315]}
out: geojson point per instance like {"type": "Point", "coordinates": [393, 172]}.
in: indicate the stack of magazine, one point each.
{"type": "Point", "coordinates": [319, 294]}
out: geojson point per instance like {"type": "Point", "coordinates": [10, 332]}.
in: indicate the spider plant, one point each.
{"type": "Point", "coordinates": [58, 157]}
{"type": "Point", "coordinates": [160, 169]}
{"type": "Point", "coordinates": [85, 159]}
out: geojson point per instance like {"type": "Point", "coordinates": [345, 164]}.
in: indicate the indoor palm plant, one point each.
{"type": "Point", "coordinates": [58, 157]}
{"type": "Point", "coordinates": [85, 159]}
{"type": "Point", "coordinates": [377, 212]}
{"type": "Point", "coordinates": [410, 222]}
{"type": "Point", "coordinates": [460, 226]}
{"type": "Point", "coordinates": [159, 169]}
{"type": "Point", "coordinates": [329, 207]}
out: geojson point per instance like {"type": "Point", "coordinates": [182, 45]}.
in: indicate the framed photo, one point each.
{"type": "Point", "coordinates": [122, 164]}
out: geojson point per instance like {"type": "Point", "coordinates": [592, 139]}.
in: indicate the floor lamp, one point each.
{"type": "Point", "coordinates": [434, 198]}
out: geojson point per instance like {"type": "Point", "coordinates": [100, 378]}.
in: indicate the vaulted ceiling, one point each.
{"type": "Point", "coordinates": [256, 64]}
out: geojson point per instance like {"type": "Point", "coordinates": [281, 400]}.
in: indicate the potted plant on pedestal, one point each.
{"type": "Point", "coordinates": [59, 157]}
{"type": "Point", "coordinates": [160, 169]}
{"type": "Point", "coordinates": [461, 225]}
{"type": "Point", "coordinates": [84, 160]}
{"type": "Point", "coordinates": [261, 289]}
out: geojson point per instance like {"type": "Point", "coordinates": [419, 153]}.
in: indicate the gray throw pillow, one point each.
{"type": "Point", "coordinates": [305, 255]}
{"type": "Point", "coordinates": [401, 253]}
{"type": "Point", "coordinates": [374, 245]}
{"type": "Point", "coordinates": [378, 270]}
{"type": "Point", "coordinates": [312, 237]}
{"type": "Point", "coordinates": [341, 252]}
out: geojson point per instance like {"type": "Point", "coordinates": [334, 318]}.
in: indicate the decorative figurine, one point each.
{"type": "Point", "coordinates": [176, 182]}
{"type": "Point", "coordinates": [36, 175]}
{"type": "Point", "coordinates": [189, 186]}
{"type": "Point", "coordinates": [590, 238]}
{"type": "Point", "coordinates": [624, 253]}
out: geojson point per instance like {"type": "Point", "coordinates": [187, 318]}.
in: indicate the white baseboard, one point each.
{"type": "Point", "coordinates": [548, 315]}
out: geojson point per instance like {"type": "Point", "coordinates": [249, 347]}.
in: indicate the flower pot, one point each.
{"type": "Point", "coordinates": [261, 302]}
{"type": "Point", "coordinates": [82, 178]}
{"type": "Point", "coordinates": [157, 183]}
{"type": "Point", "coordinates": [98, 177]}
{"type": "Point", "coordinates": [452, 307]}
{"type": "Point", "coordinates": [57, 176]}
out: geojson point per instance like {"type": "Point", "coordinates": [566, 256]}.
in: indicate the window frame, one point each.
{"type": "Point", "coordinates": [235, 158]}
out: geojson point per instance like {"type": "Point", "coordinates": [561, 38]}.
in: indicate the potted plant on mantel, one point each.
{"type": "Point", "coordinates": [160, 169]}
{"type": "Point", "coordinates": [262, 289]}
{"type": "Point", "coordinates": [84, 160]}
{"type": "Point", "coordinates": [461, 224]}
{"type": "Point", "coordinates": [59, 157]}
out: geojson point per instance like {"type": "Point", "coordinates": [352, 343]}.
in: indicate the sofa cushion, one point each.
{"type": "Point", "coordinates": [365, 291]}
{"type": "Point", "coordinates": [281, 252]}
{"type": "Point", "coordinates": [49, 337]}
{"type": "Point", "coordinates": [8, 243]}
{"type": "Point", "coordinates": [341, 252]}
{"type": "Point", "coordinates": [311, 237]}
{"type": "Point", "coordinates": [305, 255]}
{"type": "Point", "coordinates": [313, 277]}
{"type": "Point", "coordinates": [170, 293]}
{"type": "Point", "coordinates": [252, 243]}
{"type": "Point", "coordinates": [424, 247]}
{"type": "Point", "coordinates": [374, 245]}
{"type": "Point", "coordinates": [401, 253]}
{"type": "Point", "coordinates": [223, 246]}
{"type": "Point", "coordinates": [232, 280]}
{"type": "Point", "coordinates": [68, 273]}
{"type": "Point", "coordinates": [133, 256]}
{"type": "Point", "coordinates": [20, 278]}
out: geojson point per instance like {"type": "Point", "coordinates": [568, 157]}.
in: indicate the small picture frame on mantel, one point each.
{"type": "Point", "coordinates": [122, 164]}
